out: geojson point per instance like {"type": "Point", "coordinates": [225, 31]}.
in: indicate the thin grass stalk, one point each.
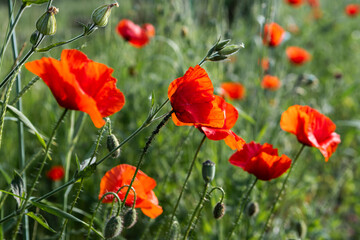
{"type": "Point", "coordinates": [268, 220]}
{"type": "Point", "coordinates": [184, 184]}
{"type": "Point", "coordinates": [28, 195]}
{"type": "Point", "coordinates": [24, 90]}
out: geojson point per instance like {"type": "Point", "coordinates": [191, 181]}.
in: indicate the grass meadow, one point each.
{"type": "Point", "coordinates": [320, 200]}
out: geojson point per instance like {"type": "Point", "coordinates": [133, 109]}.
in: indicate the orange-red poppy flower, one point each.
{"type": "Point", "coordinates": [273, 34]}
{"type": "Point", "coordinates": [270, 82]}
{"type": "Point", "coordinates": [263, 161]}
{"type": "Point", "coordinates": [121, 175]}
{"type": "Point", "coordinates": [352, 10]}
{"type": "Point", "coordinates": [79, 83]}
{"type": "Point", "coordinates": [294, 3]}
{"type": "Point", "coordinates": [134, 34]}
{"type": "Point", "coordinates": [314, 3]}
{"type": "Point", "coordinates": [56, 173]}
{"type": "Point", "coordinates": [192, 98]}
{"type": "Point", "coordinates": [232, 90]}
{"type": "Point", "coordinates": [265, 64]}
{"type": "Point", "coordinates": [297, 55]}
{"type": "Point", "coordinates": [311, 128]}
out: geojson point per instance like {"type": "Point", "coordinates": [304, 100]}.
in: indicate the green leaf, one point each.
{"type": "Point", "coordinates": [12, 194]}
{"type": "Point", "coordinates": [28, 2]}
{"type": "Point", "coordinates": [246, 116]}
{"type": "Point", "coordinates": [18, 187]}
{"type": "Point", "coordinates": [41, 220]}
{"type": "Point", "coordinates": [60, 213]}
{"type": "Point", "coordinates": [6, 176]}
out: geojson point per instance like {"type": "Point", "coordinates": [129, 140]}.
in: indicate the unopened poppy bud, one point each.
{"type": "Point", "coordinates": [222, 44]}
{"type": "Point", "coordinates": [34, 37]}
{"type": "Point", "coordinates": [208, 171]}
{"type": "Point", "coordinates": [113, 227]}
{"type": "Point", "coordinates": [47, 22]}
{"type": "Point", "coordinates": [301, 229]}
{"type": "Point", "coordinates": [174, 233]}
{"type": "Point", "coordinates": [130, 218]}
{"type": "Point", "coordinates": [217, 57]}
{"type": "Point", "coordinates": [219, 210]}
{"type": "Point", "coordinates": [231, 49]}
{"type": "Point", "coordinates": [100, 16]}
{"type": "Point", "coordinates": [252, 209]}
{"type": "Point", "coordinates": [112, 143]}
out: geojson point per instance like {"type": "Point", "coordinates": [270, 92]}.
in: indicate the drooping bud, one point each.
{"type": "Point", "coordinates": [112, 143]}
{"type": "Point", "coordinates": [113, 227]}
{"type": "Point", "coordinates": [219, 210]}
{"type": "Point", "coordinates": [301, 229]}
{"type": "Point", "coordinates": [34, 37]}
{"type": "Point", "coordinates": [174, 233]}
{"type": "Point", "coordinates": [252, 209]}
{"type": "Point", "coordinates": [208, 171]}
{"type": "Point", "coordinates": [130, 218]}
{"type": "Point", "coordinates": [100, 16]}
{"type": "Point", "coordinates": [47, 22]}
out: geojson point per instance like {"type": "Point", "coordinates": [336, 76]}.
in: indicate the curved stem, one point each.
{"type": "Point", "coordinates": [147, 145]}
{"type": "Point", "coordinates": [196, 211]}
{"type": "Point", "coordinates": [242, 208]}
{"type": "Point", "coordinates": [268, 220]}
{"type": "Point", "coordinates": [221, 190]}
{"type": "Point", "coordinates": [184, 184]}
{"type": "Point", "coordinates": [28, 195]}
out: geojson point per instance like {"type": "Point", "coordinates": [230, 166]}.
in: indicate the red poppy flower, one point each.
{"type": "Point", "coordinates": [270, 82]}
{"type": "Point", "coordinates": [134, 34]}
{"type": "Point", "coordinates": [78, 83]}
{"type": "Point", "coordinates": [233, 90]}
{"type": "Point", "coordinates": [56, 173]}
{"type": "Point", "coordinates": [265, 64]}
{"type": "Point", "coordinates": [352, 10]}
{"type": "Point", "coordinates": [192, 98]}
{"type": "Point", "coordinates": [297, 55]}
{"type": "Point", "coordinates": [121, 175]}
{"type": "Point", "coordinates": [314, 3]}
{"type": "Point", "coordinates": [262, 161]}
{"type": "Point", "coordinates": [273, 34]}
{"type": "Point", "coordinates": [311, 128]}
{"type": "Point", "coordinates": [294, 3]}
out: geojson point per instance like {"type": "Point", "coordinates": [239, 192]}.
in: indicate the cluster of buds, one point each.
{"type": "Point", "coordinates": [221, 50]}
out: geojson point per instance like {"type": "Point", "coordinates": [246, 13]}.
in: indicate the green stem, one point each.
{"type": "Point", "coordinates": [28, 195]}
{"type": "Point", "coordinates": [147, 145]}
{"type": "Point", "coordinates": [24, 90]}
{"type": "Point", "coordinates": [268, 220]}
{"type": "Point", "coordinates": [184, 184]}
{"type": "Point", "coordinates": [242, 208]}
{"type": "Point", "coordinates": [196, 211]}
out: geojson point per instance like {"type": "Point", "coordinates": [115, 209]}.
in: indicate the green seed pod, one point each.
{"type": "Point", "coordinates": [301, 229]}
{"type": "Point", "coordinates": [113, 227]}
{"type": "Point", "coordinates": [100, 16]}
{"type": "Point", "coordinates": [130, 218]}
{"type": "Point", "coordinates": [47, 22]}
{"type": "Point", "coordinates": [252, 209]}
{"type": "Point", "coordinates": [219, 210]}
{"type": "Point", "coordinates": [34, 37]}
{"type": "Point", "coordinates": [112, 142]}
{"type": "Point", "coordinates": [231, 49]}
{"type": "Point", "coordinates": [208, 171]}
{"type": "Point", "coordinates": [174, 233]}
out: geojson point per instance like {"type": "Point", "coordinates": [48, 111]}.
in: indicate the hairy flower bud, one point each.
{"type": "Point", "coordinates": [47, 22]}
{"type": "Point", "coordinates": [252, 209]}
{"type": "Point", "coordinates": [301, 229]}
{"type": "Point", "coordinates": [130, 218]}
{"type": "Point", "coordinates": [100, 16]}
{"type": "Point", "coordinates": [112, 143]}
{"type": "Point", "coordinates": [113, 227]}
{"type": "Point", "coordinates": [219, 210]}
{"type": "Point", "coordinates": [208, 171]}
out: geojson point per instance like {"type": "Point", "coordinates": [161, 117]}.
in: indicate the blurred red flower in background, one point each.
{"type": "Point", "coordinates": [121, 175]}
{"type": "Point", "coordinates": [314, 3]}
{"type": "Point", "coordinates": [273, 34]}
{"type": "Point", "coordinates": [294, 3]}
{"type": "Point", "coordinates": [232, 90]}
{"type": "Point", "coordinates": [79, 83]}
{"type": "Point", "coordinates": [263, 161]}
{"type": "Point", "coordinates": [311, 128]}
{"type": "Point", "coordinates": [134, 34]}
{"type": "Point", "coordinates": [297, 55]}
{"type": "Point", "coordinates": [270, 82]}
{"type": "Point", "coordinates": [265, 64]}
{"type": "Point", "coordinates": [352, 10]}
{"type": "Point", "coordinates": [56, 173]}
